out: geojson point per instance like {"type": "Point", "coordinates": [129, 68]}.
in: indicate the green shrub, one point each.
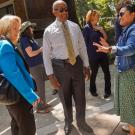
{"type": "Point", "coordinates": [107, 23]}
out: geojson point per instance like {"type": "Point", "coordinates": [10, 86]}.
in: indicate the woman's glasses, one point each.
{"type": "Point", "coordinates": [61, 10]}
{"type": "Point", "coordinates": [121, 14]}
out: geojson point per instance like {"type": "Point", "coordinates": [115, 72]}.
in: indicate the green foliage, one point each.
{"type": "Point", "coordinates": [108, 24]}
{"type": "Point", "coordinates": [105, 7]}
{"type": "Point", "coordinates": [107, 12]}
{"type": "Point", "coordinates": [82, 7]}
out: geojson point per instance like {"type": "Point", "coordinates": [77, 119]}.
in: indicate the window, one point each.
{"type": "Point", "coordinates": [6, 10]}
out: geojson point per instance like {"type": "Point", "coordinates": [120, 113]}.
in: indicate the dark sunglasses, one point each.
{"type": "Point", "coordinates": [61, 10]}
{"type": "Point", "coordinates": [121, 14]}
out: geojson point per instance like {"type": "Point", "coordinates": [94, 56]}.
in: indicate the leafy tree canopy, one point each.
{"type": "Point", "coordinates": [105, 7]}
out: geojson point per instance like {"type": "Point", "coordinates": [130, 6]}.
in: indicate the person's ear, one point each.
{"type": "Point", "coordinates": [133, 14]}
{"type": "Point", "coordinates": [54, 12]}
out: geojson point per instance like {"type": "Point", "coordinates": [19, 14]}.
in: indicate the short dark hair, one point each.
{"type": "Point", "coordinates": [122, 3]}
{"type": "Point", "coordinates": [130, 8]}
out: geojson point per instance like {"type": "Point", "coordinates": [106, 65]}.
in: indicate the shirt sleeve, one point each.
{"type": "Point", "coordinates": [14, 75]}
{"type": "Point", "coordinates": [47, 54]}
{"type": "Point", "coordinates": [82, 49]}
{"type": "Point", "coordinates": [114, 49]}
{"type": "Point", "coordinates": [25, 42]}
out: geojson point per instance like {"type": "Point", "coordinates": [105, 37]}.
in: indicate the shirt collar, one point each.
{"type": "Point", "coordinates": [125, 28]}
{"type": "Point", "coordinates": [59, 23]}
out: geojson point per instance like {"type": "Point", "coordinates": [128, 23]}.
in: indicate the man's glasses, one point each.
{"type": "Point", "coordinates": [121, 14]}
{"type": "Point", "coordinates": [61, 10]}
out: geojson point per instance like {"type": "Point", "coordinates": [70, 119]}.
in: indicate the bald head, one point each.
{"type": "Point", "coordinates": [60, 10]}
{"type": "Point", "coordinates": [57, 3]}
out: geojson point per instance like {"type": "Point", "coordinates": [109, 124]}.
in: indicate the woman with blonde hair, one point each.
{"type": "Point", "coordinates": [15, 71]}
{"type": "Point", "coordinates": [92, 32]}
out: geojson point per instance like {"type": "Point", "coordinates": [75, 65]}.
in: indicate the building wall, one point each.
{"type": "Point", "coordinates": [20, 9]}
{"type": "Point", "coordinates": [3, 1]}
{"type": "Point", "coordinates": [37, 11]}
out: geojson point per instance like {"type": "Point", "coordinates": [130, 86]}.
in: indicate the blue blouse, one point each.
{"type": "Point", "coordinates": [32, 61]}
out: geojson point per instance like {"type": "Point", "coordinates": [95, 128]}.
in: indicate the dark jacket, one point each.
{"type": "Point", "coordinates": [90, 36]}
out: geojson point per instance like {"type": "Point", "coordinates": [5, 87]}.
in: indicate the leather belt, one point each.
{"type": "Point", "coordinates": [61, 62]}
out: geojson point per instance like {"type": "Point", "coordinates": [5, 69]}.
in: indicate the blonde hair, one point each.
{"type": "Point", "coordinates": [6, 23]}
{"type": "Point", "coordinates": [0, 29]}
{"type": "Point", "coordinates": [90, 15]}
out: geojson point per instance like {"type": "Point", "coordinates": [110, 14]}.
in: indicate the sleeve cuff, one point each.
{"type": "Point", "coordinates": [114, 49]}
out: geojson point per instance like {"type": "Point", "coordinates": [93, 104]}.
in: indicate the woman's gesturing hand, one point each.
{"type": "Point", "coordinates": [103, 42]}
{"type": "Point", "coordinates": [104, 49]}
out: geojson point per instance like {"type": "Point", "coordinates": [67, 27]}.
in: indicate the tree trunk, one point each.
{"type": "Point", "coordinates": [43, 15]}
{"type": "Point", "coordinates": [72, 10]}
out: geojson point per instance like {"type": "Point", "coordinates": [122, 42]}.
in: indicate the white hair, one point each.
{"type": "Point", "coordinates": [57, 2]}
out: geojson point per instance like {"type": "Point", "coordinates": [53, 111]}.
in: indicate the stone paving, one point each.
{"type": "Point", "coordinates": [99, 114]}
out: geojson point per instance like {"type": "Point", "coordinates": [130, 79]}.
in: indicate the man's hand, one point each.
{"type": "Point", "coordinates": [54, 82]}
{"type": "Point", "coordinates": [86, 72]}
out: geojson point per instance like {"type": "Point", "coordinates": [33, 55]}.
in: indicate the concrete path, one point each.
{"type": "Point", "coordinates": [99, 114]}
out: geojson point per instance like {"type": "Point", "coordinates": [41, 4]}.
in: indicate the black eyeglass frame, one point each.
{"type": "Point", "coordinates": [121, 14]}
{"type": "Point", "coordinates": [61, 10]}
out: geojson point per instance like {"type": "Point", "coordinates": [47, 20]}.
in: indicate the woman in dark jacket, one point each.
{"type": "Point", "coordinates": [92, 32]}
